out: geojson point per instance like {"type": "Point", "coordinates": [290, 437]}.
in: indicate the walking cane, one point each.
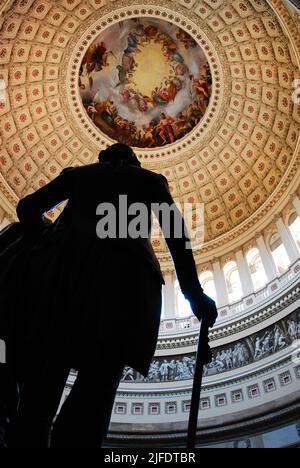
{"type": "Point", "coordinates": [193, 419]}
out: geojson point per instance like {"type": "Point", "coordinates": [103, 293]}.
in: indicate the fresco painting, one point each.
{"type": "Point", "coordinates": [145, 82]}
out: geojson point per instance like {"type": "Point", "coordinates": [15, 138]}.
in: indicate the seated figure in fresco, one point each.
{"type": "Point", "coordinates": [82, 298]}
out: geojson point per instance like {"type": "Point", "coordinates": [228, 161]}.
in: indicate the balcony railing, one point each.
{"type": "Point", "coordinates": [246, 305]}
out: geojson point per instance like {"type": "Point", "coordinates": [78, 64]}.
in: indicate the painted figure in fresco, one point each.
{"type": "Point", "coordinates": [165, 129]}
{"type": "Point", "coordinates": [142, 102]}
{"type": "Point", "coordinates": [159, 98]}
{"type": "Point", "coordinates": [201, 89]}
{"type": "Point", "coordinates": [186, 39]}
{"type": "Point", "coordinates": [140, 33]}
{"type": "Point", "coordinates": [128, 62]}
{"type": "Point", "coordinates": [148, 140]}
{"type": "Point", "coordinates": [94, 60]}
{"type": "Point", "coordinates": [193, 114]}
{"type": "Point", "coordinates": [180, 69]}
{"type": "Point", "coordinates": [126, 95]}
{"type": "Point", "coordinates": [151, 31]}
{"type": "Point", "coordinates": [112, 109]}
{"type": "Point", "coordinates": [176, 57]}
{"type": "Point", "coordinates": [94, 57]}
{"type": "Point", "coordinates": [132, 44]}
{"type": "Point", "coordinates": [171, 90]}
{"type": "Point", "coordinates": [182, 126]}
{"type": "Point", "coordinates": [122, 75]}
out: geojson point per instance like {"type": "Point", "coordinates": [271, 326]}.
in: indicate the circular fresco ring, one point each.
{"type": "Point", "coordinates": [86, 36]}
{"type": "Point", "coordinates": [145, 82]}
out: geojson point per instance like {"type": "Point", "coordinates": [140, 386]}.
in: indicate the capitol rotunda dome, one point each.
{"type": "Point", "coordinates": [208, 94]}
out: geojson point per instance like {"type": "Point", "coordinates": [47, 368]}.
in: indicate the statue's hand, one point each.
{"type": "Point", "coordinates": [205, 309]}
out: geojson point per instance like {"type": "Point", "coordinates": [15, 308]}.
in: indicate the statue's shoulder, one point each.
{"type": "Point", "coordinates": [155, 176]}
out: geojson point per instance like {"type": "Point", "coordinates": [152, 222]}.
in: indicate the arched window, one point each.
{"type": "Point", "coordinates": [256, 268]}
{"type": "Point", "coordinates": [207, 281]}
{"type": "Point", "coordinates": [233, 282]}
{"type": "Point", "coordinates": [279, 254]}
{"type": "Point", "coordinates": [182, 306]}
{"type": "Point", "coordinates": [294, 226]}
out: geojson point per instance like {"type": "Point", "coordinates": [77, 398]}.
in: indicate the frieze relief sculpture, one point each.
{"type": "Point", "coordinates": [239, 354]}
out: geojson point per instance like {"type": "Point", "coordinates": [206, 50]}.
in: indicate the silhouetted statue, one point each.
{"type": "Point", "coordinates": [15, 245]}
{"type": "Point", "coordinates": [88, 302]}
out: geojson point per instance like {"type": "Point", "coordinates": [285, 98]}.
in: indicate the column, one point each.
{"type": "Point", "coordinates": [221, 288]}
{"type": "Point", "coordinates": [288, 241]}
{"type": "Point", "coordinates": [296, 203]}
{"type": "Point", "coordinates": [169, 297]}
{"type": "Point", "coordinates": [245, 275]}
{"type": "Point", "coordinates": [267, 259]}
